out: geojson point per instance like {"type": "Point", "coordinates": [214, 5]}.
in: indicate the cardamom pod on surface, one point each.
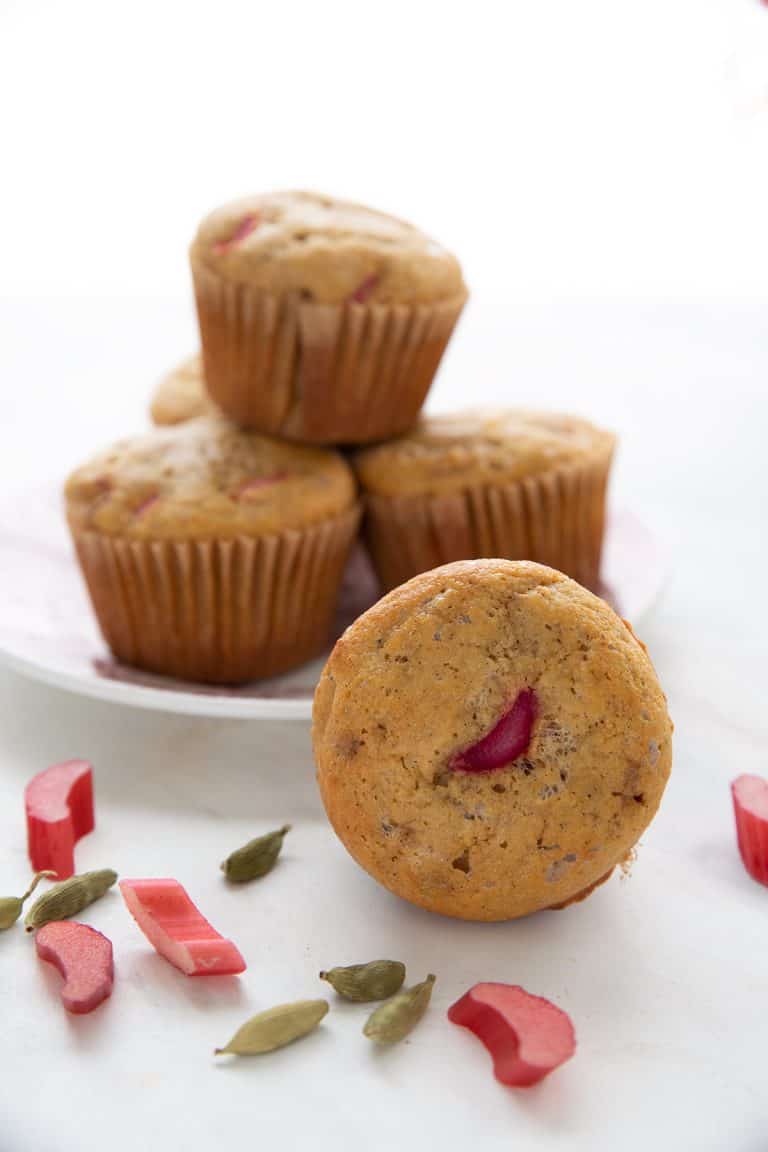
{"type": "Point", "coordinates": [275, 1028]}
{"type": "Point", "coordinates": [11, 906]}
{"type": "Point", "coordinates": [69, 897]}
{"type": "Point", "coordinates": [364, 982]}
{"type": "Point", "coordinates": [393, 1021]}
{"type": "Point", "coordinates": [255, 858]}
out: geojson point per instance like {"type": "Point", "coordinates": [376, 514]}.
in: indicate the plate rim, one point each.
{"type": "Point", "coordinates": [222, 706]}
{"type": "Point", "coordinates": [169, 700]}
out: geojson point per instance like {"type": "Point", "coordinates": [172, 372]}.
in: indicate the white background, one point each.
{"type": "Point", "coordinates": [565, 147]}
{"type": "Point", "coordinates": [602, 170]}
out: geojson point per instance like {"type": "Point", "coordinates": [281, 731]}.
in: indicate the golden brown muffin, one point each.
{"type": "Point", "coordinates": [491, 739]}
{"type": "Point", "coordinates": [325, 249]}
{"type": "Point", "coordinates": [509, 483]}
{"type": "Point", "coordinates": [181, 395]}
{"type": "Point", "coordinates": [321, 320]}
{"type": "Point", "coordinates": [213, 554]}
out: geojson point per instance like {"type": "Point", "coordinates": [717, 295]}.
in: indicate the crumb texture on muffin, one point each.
{"type": "Point", "coordinates": [425, 675]}
{"type": "Point", "coordinates": [181, 394]}
{"type": "Point", "coordinates": [446, 453]}
{"type": "Point", "coordinates": [325, 250]}
{"type": "Point", "coordinates": [207, 479]}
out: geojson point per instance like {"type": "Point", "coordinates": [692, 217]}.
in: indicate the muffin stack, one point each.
{"type": "Point", "coordinates": [213, 548]}
{"type": "Point", "coordinates": [321, 321]}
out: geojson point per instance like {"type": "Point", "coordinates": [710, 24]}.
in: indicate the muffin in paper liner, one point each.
{"type": "Point", "coordinates": [556, 518]}
{"type": "Point", "coordinates": [491, 740]}
{"type": "Point", "coordinates": [181, 395]}
{"type": "Point", "coordinates": [211, 553]}
{"type": "Point", "coordinates": [218, 611]}
{"type": "Point", "coordinates": [346, 373]}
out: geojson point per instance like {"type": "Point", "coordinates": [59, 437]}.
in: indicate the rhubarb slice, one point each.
{"type": "Point", "coordinates": [364, 290]}
{"type": "Point", "coordinates": [750, 806]}
{"type": "Point", "coordinates": [247, 225]}
{"type": "Point", "coordinates": [527, 1036]}
{"type": "Point", "coordinates": [147, 503]}
{"type": "Point", "coordinates": [508, 739]}
{"type": "Point", "coordinates": [250, 488]}
{"type": "Point", "coordinates": [178, 931]}
{"type": "Point", "coordinates": [59, 805]}
{"type": "Point", "coordinates": [84, 958]}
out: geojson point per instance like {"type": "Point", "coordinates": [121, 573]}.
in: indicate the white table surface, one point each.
{"type": "Point", "coordinates": [664, 974]}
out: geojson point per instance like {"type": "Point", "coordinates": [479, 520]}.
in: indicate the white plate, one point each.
{"type": "Point", "coordinates": [47, 629]}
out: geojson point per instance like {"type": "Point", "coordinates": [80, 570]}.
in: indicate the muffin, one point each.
{"type": "Point", "coordinates": [321, 321]}
{"type": "Point", "coordinates": [515, 484]}
{"type": "Point", "coordinates": [213, 554]}
{"type": "Point", "coordinates": [181, 395]}
{"type": "Point", "coordinates": [537, 755]}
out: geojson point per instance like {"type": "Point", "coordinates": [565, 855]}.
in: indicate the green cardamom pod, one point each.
{"type": "Point", "coordinates": [11, 906]}
{"type": "Point", "coordinates": [362, 982]}
{"type": "Point", "coordinates": [400, 1015]}
{"type": "Point", "coordinates": [275, 1028]}
{"type": "Point", "coordinates": [255, 858]}
{"type": "Point", "coordinates": [69, 897]}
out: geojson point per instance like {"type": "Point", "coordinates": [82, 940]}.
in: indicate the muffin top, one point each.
{"type": "Point", "coordinates": [537, 754]}
{"type": "Point", "coordinates": [449, 452]}
{"type": "Point", "coordinates": [326, 250]}
{"type": "Point", "coordinates": [181, 395]}
{"type": "Point", "coordinates": [206, 479]}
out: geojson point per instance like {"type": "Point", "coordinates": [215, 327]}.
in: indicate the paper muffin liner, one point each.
{"type": "Point", "coordinates": [217, 611]}
{"type": "Point", "coordinates": [557, 519]}
{"type": "Point", "coordinates": [321, 374]}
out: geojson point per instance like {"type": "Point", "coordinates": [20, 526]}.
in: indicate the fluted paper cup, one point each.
{"type": "Point", "coordinates": [320, 374]}
{"type": "Point", "coordinates": [217, 611]}
{"type": "Point", "coordinates": [557, 518]}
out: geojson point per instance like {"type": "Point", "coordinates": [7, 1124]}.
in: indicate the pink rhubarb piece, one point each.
{"type": "Point", "coordinates": [258, 484]}
{"type": "Point", "coordinates": [147, 503]}
{"type": "Point", "coordinates": [750, 805]}
{"type": "Point", "coordinates": [247, 225]}
{"type": "Point", "coordinates": [527, 1036]}
{"type": "Point", "coordinates": [84, 958]}
{"type": "Point", "coordinates": [59, 805]}
{"type": "Point", "coordinates": [364, 290]}
{"type": "Point", "coordinates": [178, 931]}
{"type": "Point", "coordinates": [508, 739]}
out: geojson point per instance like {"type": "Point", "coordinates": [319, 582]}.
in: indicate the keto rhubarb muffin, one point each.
{"type": "Point", "coordinates": [181, 395]}
{"type": "Point", "coordinates": [491, 739]}
{"type": "Point", "coordinates": [210, 553]}
{"type": "Point", "coordinates": [321, 320]}
{"type": "Point", "coordinates": [512, 483]}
